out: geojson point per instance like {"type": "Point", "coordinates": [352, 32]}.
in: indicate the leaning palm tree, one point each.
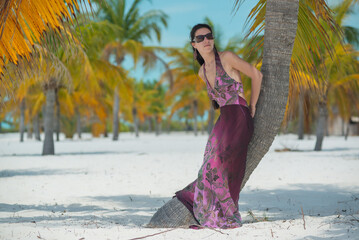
{"type": "Point", "coordinates": [281, 21]}
{"type": "Point", "coordinates": [134, 29]}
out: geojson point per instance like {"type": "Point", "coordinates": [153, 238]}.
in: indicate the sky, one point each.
{"type": "Point", "coordinates": [183, 14]}
{"type": "Point", "coordinates": [186, 13]}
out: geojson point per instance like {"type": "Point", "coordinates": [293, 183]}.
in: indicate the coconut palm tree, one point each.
{"type": "Point", "coordinates": [337, 79]}
{"type": "Point", "coordinates": [93, 77]}
{"type": "Point", "coordinates": [48, 74]}
{"type": "Point", "coordinates": [135, 28]}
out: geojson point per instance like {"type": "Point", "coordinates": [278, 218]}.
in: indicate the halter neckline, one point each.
{"type": "Point", "coordinates": [216, 61]}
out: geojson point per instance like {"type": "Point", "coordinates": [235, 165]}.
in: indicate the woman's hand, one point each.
{"type": "Point", "coordinates": [252, 110]}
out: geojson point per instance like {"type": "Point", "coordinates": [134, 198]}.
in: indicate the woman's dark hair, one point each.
{"type": "Point", "coordinates": [198, 55]}
{"type": "Point", "coordinates": [193, 31]}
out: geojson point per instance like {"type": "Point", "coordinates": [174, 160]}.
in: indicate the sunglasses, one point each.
{"type": "Point", "coordinates": [200, 38]}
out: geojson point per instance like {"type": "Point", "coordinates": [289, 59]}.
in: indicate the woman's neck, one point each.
{"type": "Point", "coordinates": [208, 58]}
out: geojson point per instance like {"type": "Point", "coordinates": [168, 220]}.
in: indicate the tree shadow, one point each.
{"type": "Point", "coordinates": [132, 211]}
{"type": "Point", "coordinates": [316, 200]}
{"type": "Point", "coordinates": [67, 153]}
{"type": "Point", "coordinates": [37, 172]}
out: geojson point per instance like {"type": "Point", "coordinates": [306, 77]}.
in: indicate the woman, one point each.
{"type": "Point", "coordinates": [213, 197]}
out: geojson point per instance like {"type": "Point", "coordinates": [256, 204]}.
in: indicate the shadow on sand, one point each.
{"type": "Point", "coordinates": [136, 210]}
{"type": "Point", "coordinates": [57, 154]}
{"type": "Point", "coordinates": [37, 172]}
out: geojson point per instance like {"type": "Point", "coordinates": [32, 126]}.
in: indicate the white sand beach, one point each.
{"type": "Point", "coordinates": [95, 188]}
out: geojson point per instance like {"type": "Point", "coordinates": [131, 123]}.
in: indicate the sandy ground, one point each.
{"type": "Point", "coordinates": [100, 189]}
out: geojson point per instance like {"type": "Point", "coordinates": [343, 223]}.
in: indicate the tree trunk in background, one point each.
{"type": "Point", "coordinates": [22, 120]}
{"type": "Point", "coordinates": [195, 110]}
{"type": "Point", "coordinates": [42, 127]}
{"type": "Point", "coordinates": [36, 125]}
{"type": "Point", "coordinates": [78, 124]}
{"type": "Point", "coordinates": [157, 127]}
{"type": "Point", "coordinates": [211, 114]}
{"type": "Point", "coordinates": [347, 130]}
{"type": "Point", "coordinates": [149, 124]}
{"type": "Point", "coordinates": [281, 25]}
{"type": "Point", "coordinates": [105, 132]}
{"type": "Point", "coordinates": [48, 147]}
{"type": "Point", "coordinates": [29, 130]}
{"type": "Point", "coordinates": [116, 108]}
{"type": "Point", "coordinates": [321, 125]}
{"type": "Point", "coordinates": [135, 120]}
{"type": "Point", "coordinates": [326, 126]}
{"type": "Point", "coordinates": [57, 119]}
{"type": "Point", "coordinates": [301, 118]}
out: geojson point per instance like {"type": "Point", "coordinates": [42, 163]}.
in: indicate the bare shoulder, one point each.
{"type": "Point", "coordinates": [228, 55]}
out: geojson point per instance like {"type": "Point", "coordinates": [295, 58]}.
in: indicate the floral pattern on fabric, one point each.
{"type": "Point", "coordinates": [226, 89]}
{"type": "Point", "coordinates": [213, 197]}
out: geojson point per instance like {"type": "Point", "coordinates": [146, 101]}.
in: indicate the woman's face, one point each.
{"type": "Point", "coordinates": [206, 45]}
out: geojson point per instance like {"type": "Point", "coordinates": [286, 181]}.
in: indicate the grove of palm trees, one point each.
{"type": "Point", "coordinates": [73, 104]}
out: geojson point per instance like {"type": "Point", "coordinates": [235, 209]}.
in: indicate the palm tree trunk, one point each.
{"type": "Point", "coordinates": [48, 147]}
{"type": "Point", "coordinates": [157, 127]}
{"type": "Point", "coordinates": [22, 119]}
{"type": "Point", "coordinates": [29, 130]}
{"type": "Point", "coordinates": [347, 130]}
{"type": "Point", "coordinates": [321, 125]}
{"type": "Point", "coordinates": [210, 120]}
{"type": "Point", "coordinates": [301, 118]}
{"type": "Point", "coordinates": [279, 35]}
{"type": "Point", "coordinates": [116, 108]}
{"type": "Point", "coordinates": [149, 126]}
{"type": "Point", "coordinates": [195, 110]}
{"type": "Point", "coordinates": [36, 126]}
{"type": "Point", "coordinates": [281, 25]}
{"type": "Point", "coordinates": [105, 131]}
{"type": "Point", "coordinates": [135, 120]}
{"type": "Point", "coordinates": [78, 124]}
{"type": "Point", "coordinates": [57, 119]}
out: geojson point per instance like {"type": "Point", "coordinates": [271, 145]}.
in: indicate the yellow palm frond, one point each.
{"type": "Point", "coordinates": [28, 20]}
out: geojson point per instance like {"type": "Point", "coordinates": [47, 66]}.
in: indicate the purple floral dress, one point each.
{"type": "Point", "coordinates": [213, 197]}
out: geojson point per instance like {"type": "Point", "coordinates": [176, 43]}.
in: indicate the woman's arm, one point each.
{"type": "Point", "coordinates": [248, 69]}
